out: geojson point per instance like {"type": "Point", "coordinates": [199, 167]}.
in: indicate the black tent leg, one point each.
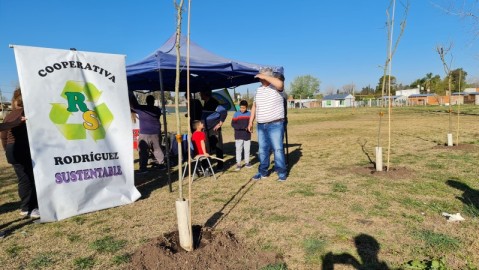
{"type": "Point", "coordinates": [287, 144]}
{"type": "Point", "coordinates": [165, 127]}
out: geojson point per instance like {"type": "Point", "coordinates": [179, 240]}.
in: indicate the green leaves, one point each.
{"type": "Point", "coordinates": [304, 86]}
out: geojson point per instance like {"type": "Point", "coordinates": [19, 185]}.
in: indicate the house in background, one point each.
{"type": "Point", "coordinates": [468, 97]}
{"type": "Point", "coordinates": [338, 101]}
{"type": "Point", "coordinates": [408, 92]}
{"type": "Point", "coordinates": [397, 100]}
{"type": "Point", "coordinates": [472, 96]}
{"type": "Point", "coordinates": [424, 99]}
{"type": "Point", "coordinates": [433, 99]}
{"type": "Point", "coordinates": [471, 90]}
{"type": "Point", "coordinates": [303, 103]}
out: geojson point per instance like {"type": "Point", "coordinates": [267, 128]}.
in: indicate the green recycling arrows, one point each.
{"type": "Point", "coordinates": [60, 115]}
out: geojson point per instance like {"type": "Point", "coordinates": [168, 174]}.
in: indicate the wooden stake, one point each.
{"type": "Point", "coordinates": [179, 8]}
{"type": "Point", "coordinates": [458, 109]}
{"type": "Point", "coordinates": [458, 113]}
{"type": "Point", "coordinates": [389, 85]}
{"type": "Point", "coordinates": [190, 180]}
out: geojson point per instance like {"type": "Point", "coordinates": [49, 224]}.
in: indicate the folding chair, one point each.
{"type": "Point", "coordinates": [199, 168]}
{"type": "Point", "coordinates": [198, 162]}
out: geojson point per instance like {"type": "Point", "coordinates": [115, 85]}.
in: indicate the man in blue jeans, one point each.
{"type": "Point", "coordinates": [268, 110]}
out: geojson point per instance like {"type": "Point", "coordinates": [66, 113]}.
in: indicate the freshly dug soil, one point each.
{"type": "Point", "coordinates": [393, 173]}
{"type": "Point", "coordinates": [465, 147]}
{"type": "Point", "coordinates": [213, 250]}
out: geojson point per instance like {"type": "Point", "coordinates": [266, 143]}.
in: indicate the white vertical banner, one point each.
{"type": "Point", "coordinates": [79, 129]}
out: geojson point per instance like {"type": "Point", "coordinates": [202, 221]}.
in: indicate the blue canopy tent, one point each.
{"type": "Point", "coordinates": [207, 72]}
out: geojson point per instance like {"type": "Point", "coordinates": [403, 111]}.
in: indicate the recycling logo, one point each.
{"type": "Point", "coordinates": [96, 120]}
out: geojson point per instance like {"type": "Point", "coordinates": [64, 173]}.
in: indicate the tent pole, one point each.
{"type": "Point", "coordinates": [286, 131]}
{"type": "Point", "coordinates": [165, 127]}
{"type": "Point", "coordinates": [287, 144]}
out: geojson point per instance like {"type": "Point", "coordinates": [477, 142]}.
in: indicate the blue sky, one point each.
{"type": "Point", "coordinates": [338, 42]}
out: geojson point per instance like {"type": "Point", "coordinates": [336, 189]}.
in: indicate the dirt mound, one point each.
{"type": "Point", "coordinates": [393, 173]}
{"type": "Point", "coordinates": [465, 147]}
{"type": "Point", "coordinates": [213, 250]}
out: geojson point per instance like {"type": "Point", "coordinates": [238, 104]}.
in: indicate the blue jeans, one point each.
{"type": "Point", "coordinates": [270, 139]}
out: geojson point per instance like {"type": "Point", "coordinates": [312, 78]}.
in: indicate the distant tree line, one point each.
{"type": "Point", "coordinates": [308, 86]}
{"type": "Point", "coordinates": [431, 83]}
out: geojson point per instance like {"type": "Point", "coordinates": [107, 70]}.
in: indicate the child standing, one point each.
{"type": "Point", "coordinates": [242, 135]}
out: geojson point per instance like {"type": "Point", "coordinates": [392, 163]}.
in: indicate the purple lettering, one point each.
{"type": "Point", "coordinates": [58, 178]}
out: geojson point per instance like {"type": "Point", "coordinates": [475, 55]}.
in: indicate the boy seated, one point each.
{"type": "Point", "coordinates": [198, 138]}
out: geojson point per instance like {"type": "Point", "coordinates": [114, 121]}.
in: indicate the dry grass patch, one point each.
{"type": "Point", "coordinates": [331, 199]}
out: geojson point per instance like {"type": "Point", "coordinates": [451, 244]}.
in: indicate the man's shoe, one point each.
{"type": "Point", "coordinates": [23, 213]}
{"type": "Point", "coordinates": [281, 178]}
{"type": "Point", "coordinates": [258, 176]}
{"type": "Point", "coordinates": [160, 167]}
{"type": "Point", "coordinates": [35, 213]}
{"type": "Point", "coordinates": [144, 171]}
{"type": "Point", "coordinates": [238, 167]}
{"type": "Point", "coordinates": [248, 165]}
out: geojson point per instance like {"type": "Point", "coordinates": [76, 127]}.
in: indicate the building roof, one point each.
{"type": "Point", "coordinates": [392, 97]}
{"type": "Point", "coordinates": [473, 90]}
{"type": "Point", "coordinates": [407, 92]}
{"type": "Point", "coordinates": [465, 93]}
{"type": "Point", "coordinates": [337, 97]}
{"type": "Point", "coordinates": [421, 95]}
{"type": "Point", "coordinates": [304, 100]}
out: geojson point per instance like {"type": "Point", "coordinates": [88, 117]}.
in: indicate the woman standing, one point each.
{"type": "Point", "coordinates": [15, 143]}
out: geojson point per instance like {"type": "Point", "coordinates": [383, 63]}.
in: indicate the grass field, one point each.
{"type": "Point", "coordinates": [331, 212]}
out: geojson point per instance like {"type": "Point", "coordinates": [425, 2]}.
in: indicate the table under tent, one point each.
{"type": "Point", "coordinates": [157, 72]}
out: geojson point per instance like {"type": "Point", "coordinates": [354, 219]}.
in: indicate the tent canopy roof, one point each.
{"type": "Point", "coordinates": [207, 70]}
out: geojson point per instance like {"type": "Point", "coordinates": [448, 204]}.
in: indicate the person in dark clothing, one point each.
{"type": "Point", "coordinates": [213, 132]}
{"type": "Point", "coordinates": [240, 123]}
{"type": "Point", "coordinates": [196, 109]}
{"type": "Point", "coordinates": [17, 151]}
{"type": "Point", "coordinates": [6, 127]}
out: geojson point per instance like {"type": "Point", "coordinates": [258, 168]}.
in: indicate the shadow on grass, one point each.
{"type": "Point", "coordinates": [155, 179]}
{"type": "Point", "coordinates": [9, 207]}
{"type": "Point", "coordinates": [6, 229]}
{"type": "Point", "coordinates": [229, 148]}
{"type": "Point", "coordinates": [152, 180]}
{"type": "Point", "coordinates": [367, 248]}
{"type": "Point", "coordinates": [218, 216]}
{"type": "Point", "coordinates": [294, 156]}
{"type": "Point", "coordinates": [470, 196]}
